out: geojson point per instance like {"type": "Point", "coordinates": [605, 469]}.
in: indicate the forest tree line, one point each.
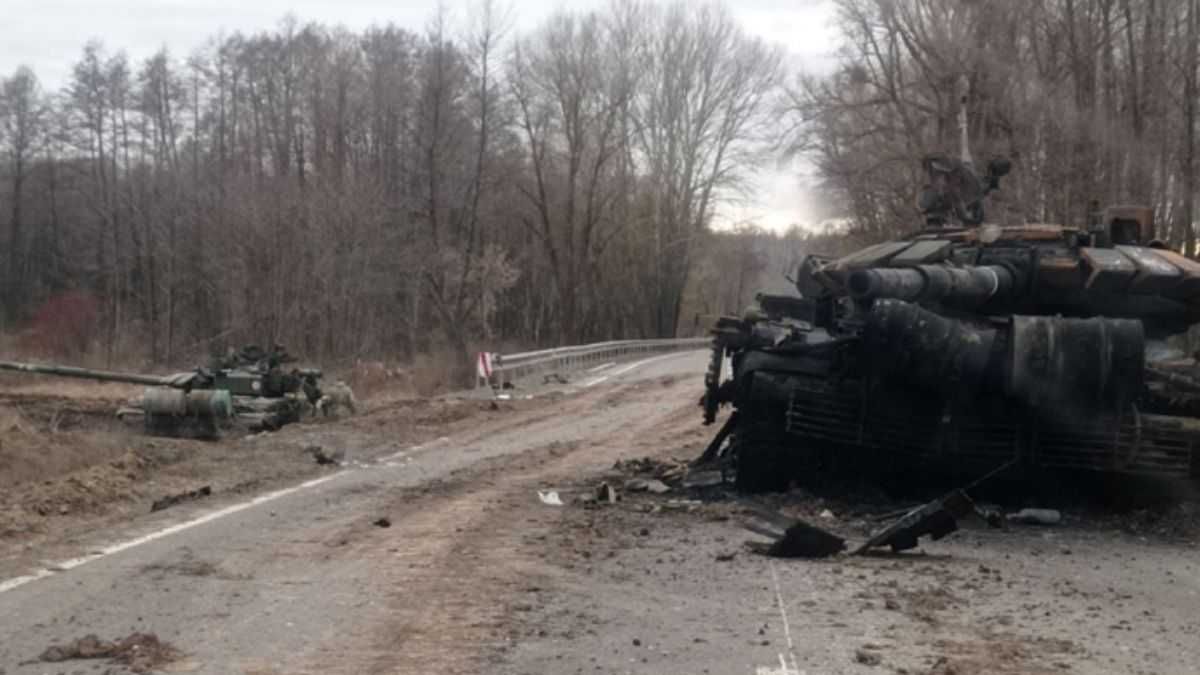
{"type": "Point", "coordinates": [397, 192]}
{"type": "Point", "coordinates": [1093, 100]}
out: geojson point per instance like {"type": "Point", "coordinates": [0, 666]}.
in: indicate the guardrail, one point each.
{"type": "Point", "coordinates": [509, 367]}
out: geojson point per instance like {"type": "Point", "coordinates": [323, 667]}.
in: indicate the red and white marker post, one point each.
{"type": "Point", "coordinates": [483, 368]}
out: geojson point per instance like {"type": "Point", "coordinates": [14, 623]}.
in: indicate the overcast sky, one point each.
{"type": "Point", "coordinates": [48, 35]}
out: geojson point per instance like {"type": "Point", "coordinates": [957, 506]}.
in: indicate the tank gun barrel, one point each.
{"type": "Point", "coordinates": [86, 373]}
{"type": "Point", "coordinates": [969, 286]}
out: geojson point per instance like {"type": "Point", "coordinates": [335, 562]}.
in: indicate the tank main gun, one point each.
{"type": "Point", "coordinates": [970, 286]}
{"type": "Point", "coordinates": [180, 381]}
{"type": "Point", "coordinates": [250, 386]}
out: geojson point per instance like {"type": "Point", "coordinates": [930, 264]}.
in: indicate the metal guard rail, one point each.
{"type": "Point", "coordinates": [509, 367]}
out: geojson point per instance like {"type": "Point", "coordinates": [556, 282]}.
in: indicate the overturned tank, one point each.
{"type": "Point", "coordinates": [967, 345]}
{"type": "Point", "coordinates": [249, 388]}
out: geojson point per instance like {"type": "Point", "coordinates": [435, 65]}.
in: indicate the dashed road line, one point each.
{"type": "Point", "coordinates": [113, 549]}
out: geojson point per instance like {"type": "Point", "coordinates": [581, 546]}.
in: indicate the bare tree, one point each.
{"type": "Point", "coordinates": [21, 126]}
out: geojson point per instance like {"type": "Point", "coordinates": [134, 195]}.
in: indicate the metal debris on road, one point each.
{"type": "Point", "coordinates": [606, 494]}
{"type": "Point", "coordinates": [653, 486]}
{"type": "Point", "coordinates": [938, 518]}
{"type": "Point", "coordinates": [791, 537]}
{"type": "Point", "coordinates": [1036, 517]}
{"type": "Point", "coordinates": [666, 470]}
{"type": "Point", "coordinates": [549, 498]}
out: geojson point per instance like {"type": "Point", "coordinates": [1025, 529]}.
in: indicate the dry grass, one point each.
{"type": "Point", "coordinates": [42, 439]}
{"type": "Point", "coordinates": [382, 380]}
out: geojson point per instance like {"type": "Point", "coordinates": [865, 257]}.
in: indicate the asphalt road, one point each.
{"type": "Point", "coordinates": [475, 574]}
{"type": "Point", "coordinates": [297, 580]}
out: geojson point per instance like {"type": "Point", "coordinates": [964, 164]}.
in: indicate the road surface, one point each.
{"type": "Point", "coordinates": [475, 574]}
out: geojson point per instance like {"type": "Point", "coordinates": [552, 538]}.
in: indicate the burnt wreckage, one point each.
{"type": "Point", "coordinates": [967, 345]}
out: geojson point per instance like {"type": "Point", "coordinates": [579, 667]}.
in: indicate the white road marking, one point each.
{"type": "Point", "coordinates": [636, 364]}
{"type": "Point", "coordinates": [784, 669]}
{"type": "Point", "coordinates": [788, 664]}
{"type": "Point", "coordinates": [113, 549]}
{"type": "Point", "coordinates": [602, 366]}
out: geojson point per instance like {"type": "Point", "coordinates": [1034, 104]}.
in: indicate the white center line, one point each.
{"type": "Point", "coordinates": [787, 630]}
{"type": "Point", "coordinates": [112, 549]}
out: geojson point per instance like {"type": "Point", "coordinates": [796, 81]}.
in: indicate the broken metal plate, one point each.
{"type": "Point", "coordinates": [936, 519]}
{"type": "Point", "coordinates": [790, 537]}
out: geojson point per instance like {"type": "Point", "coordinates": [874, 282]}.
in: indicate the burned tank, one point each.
{"type": "Point", "coordinates": [968, 345]}
{"type": "Point", "coordinates": [249, 389]}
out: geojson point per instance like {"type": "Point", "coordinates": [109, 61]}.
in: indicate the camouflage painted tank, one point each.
{"type": "Point", "coordinates": [967, 345]}
{"type": "Point", "coordinates": [249, 388]}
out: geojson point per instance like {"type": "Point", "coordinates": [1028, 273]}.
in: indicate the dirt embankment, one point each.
{"type": "Point", "coordinates": [68, 466]}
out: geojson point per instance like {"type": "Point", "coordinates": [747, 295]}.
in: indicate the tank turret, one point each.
{"type": "Point", "coordinates": [249, 387]}
{"type": "Point", "coordinates": [968, 344]}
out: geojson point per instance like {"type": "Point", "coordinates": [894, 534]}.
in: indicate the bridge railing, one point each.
{"type": "Point", "coordinates": [510, 367]}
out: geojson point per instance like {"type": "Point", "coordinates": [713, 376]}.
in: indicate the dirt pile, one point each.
{"type": "Point", "coordinates": [1177, 521]}
{"type": "Point", "coordinates": [92, 490]}
{"type": "Point", "coordinates": [140, 652]}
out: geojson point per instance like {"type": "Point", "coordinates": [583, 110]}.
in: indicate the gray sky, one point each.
{"type": "Point", "coordinates": [48, 35]}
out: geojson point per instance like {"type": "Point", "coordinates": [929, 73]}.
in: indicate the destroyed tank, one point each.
{"type": "Point", "coordinates": [248, 388]}
{"type": "Point", "coordinates": [965, 346]}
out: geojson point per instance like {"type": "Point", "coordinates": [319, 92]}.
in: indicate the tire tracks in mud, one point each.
{"type": "Point", "coordinates": [462, 562]}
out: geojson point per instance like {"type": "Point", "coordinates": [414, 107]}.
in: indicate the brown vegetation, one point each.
{"type": "Point", "coordinates": [379, 192]}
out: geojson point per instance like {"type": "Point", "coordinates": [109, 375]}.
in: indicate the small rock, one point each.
{"type": "Point", "coordinates": [637, 642]}
{"type": "Point", "coordinates": [657, 487]}
{"type": "Point", "coordinates": [606, 494]}
{"type": "Point", "coordinates": [382, 522]}
{"type": "Point", "coordinates": [702, 479]}
{"type": "Point", "coordinates": [326, 457]}
{"type": "Point", "coordinates": [726, 557]}
{"type": "Point", "coordinates": [827, 514]}
{"type": "Point", "coordinates": [867, 658]}
{"type": "Point", "coordinates": [647, 485]}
